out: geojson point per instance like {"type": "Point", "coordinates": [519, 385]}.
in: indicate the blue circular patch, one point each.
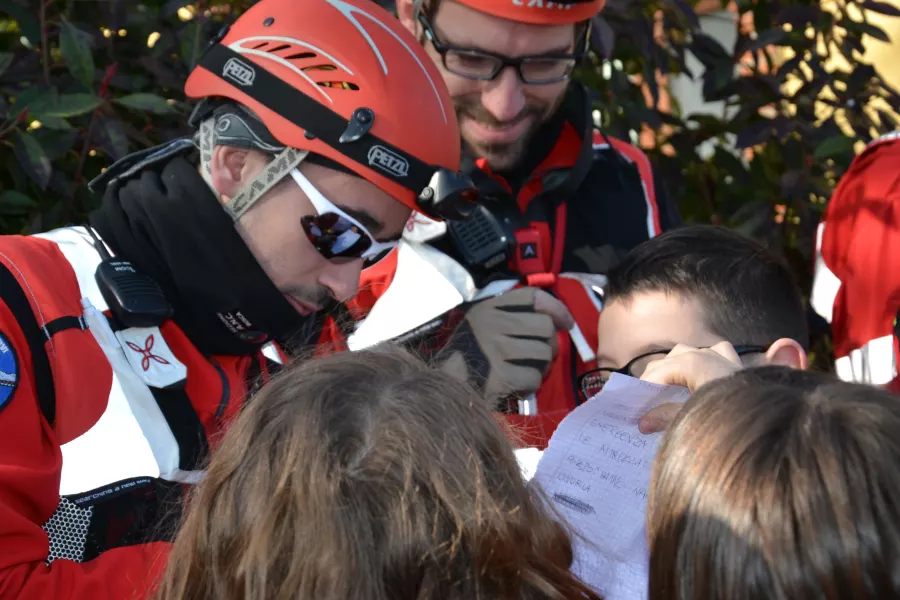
{"type": "Point", "coordinates": [9, 371]}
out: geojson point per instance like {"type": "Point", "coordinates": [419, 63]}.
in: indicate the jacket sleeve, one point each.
{"type": "Point", "coordinates": [30, 469]}
{"type": "Point", "coordinates": [855, 286]}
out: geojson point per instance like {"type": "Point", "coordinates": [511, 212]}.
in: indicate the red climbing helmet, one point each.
{"type": "Point", "coordinates": [539, 12]}
{"type": "Point", "coordinates": [344, 80]}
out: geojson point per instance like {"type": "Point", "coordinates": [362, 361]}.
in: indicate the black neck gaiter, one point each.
{"type": "Point", "coordinates": [167, 222]}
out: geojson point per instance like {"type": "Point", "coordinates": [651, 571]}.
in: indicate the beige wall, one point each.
{"type": "Point", "coordinates": [886, 57]}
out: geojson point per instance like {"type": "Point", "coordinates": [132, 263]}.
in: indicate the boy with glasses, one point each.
{"type": "Point", "coordinates": [693, 304]}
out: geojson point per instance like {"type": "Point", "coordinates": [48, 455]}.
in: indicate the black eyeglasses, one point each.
{"type": "Point", "coordinates": [485, 66]}
{"type": "Point", "coordinates": [591, 383]}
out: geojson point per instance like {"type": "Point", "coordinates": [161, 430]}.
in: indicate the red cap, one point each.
{"type": "Point", "coordinates": [538, 12]}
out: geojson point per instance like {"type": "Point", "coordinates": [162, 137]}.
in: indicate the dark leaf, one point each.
{"type": "Point", "coordinates": [810, 91]}
{"type": "Point", "coordinates": [68, 105]}
{"type": "Point", "coordinates": [688, 11]}
{"type": "Point", "coordinates": [888, 122]}
{"type": "Point", "coordinates": [834, 146]}
{"type": "Point", "coordinates": [644, 38]}
{"type": "Point", "coordinates": [55, 123]}
{"type": "Point", "coordinates": [190, 40]}
{"type": "Point", "coordinates": [767, 85]}
{"type": "Point", "coordinates": [707, 120]}
{"type": "Point", "coordinates": [650, 80]}
{"type": "Point", "coordinates": [145, 102]}
{"type": "Point", "coordinates": [709, 51]}
{"type": "Point", "coordinates": [76, 51]}
{"type": "Point", "coordinates": [788, 67]}
{"type": "Point", "coordinates": [13, 202]}
{"type": "Point", "coordinates": [883, 8]}
{"type": "Point", "coordinates": [138, 136]}
{"type": "Point", "coordinates": [865, 29]}
{"type": "Point", "coordinates": [851, 44]}
{"type": "Point", "coordinates": [113, 138]}
{"type": "Point", "coordinates": [860, 78]}
{"type": "Point", "coordinates": [716, 83]}
{"type": "Point", "coordinates": [34, 98]}
{"type": "Point", "coordinates": [726, 161]}
{"type": "Point", "coordinates": [56, 143]}
{"type": "Point", "coordinates": [679, 55]}
{"type": "Point", "coordinates": [762, 16]}
{"type": "Point", "coordinates": [603, 38]}
{"type": "Point", "coordinates": [6, 59]}
{"type": "Point", "coordinates": [793, 182]}
{"type": "Point", "coordinates": [784, 126]}
{"type": "Point", "coordinates": [797, 15]}
{"type": "Point", "coordinates": [752, 217]}
{"type": "Point", "coordinates": [162, 74]}
{"type": "Point", "coordinates": [669, 119]}
{"type": "Point", "coordinates": [26, 20]}
{"type": "Point", "coordinates": [651, 117]}
{"type": "Point", "coordinates": [770, 37]}
{"type": "Point", "coordinates": [32, 158]}
{"type": "Point", "coordinates": [60, 183]}
{"type": "Point", "coordinates": [662, 60]}
{"type": "Point", "coordinates": [754, 135]}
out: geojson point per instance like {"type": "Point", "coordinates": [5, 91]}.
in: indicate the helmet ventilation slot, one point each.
{"type": "Point", "coordinates": [302, 55]}
{"type": "Point", "coordinates": [339, 84]}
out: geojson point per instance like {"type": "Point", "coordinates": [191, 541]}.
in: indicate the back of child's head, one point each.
{"type": "Point", "coordinates": [776, 483]}
{"type": "Point", "coordinates": [369, 476]}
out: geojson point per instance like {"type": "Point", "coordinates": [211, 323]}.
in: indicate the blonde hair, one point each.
{"type": "Point", "coordinates": [368, 476]}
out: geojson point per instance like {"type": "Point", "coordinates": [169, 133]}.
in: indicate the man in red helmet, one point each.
{"type": "Point", "coordinates": [561, 202]}
{"type": "Point", "coordinates": [856, 286]}
{"type": "Point", "coordinates": [128, 344]}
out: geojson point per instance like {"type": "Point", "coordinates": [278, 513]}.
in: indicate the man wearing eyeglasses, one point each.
{"type": "Point", "coordinates": [691, 305]}
{"type": "Point", "coordinates": [572, 199]}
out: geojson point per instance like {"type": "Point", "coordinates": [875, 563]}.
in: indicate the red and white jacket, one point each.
{"type": "Point", "coordinates": [94, 460]}
{"type": "Point", "coordinates": [857, 271]}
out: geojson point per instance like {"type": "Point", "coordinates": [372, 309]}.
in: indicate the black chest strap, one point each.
{"type": "Point", "coordinates": [13, 295]}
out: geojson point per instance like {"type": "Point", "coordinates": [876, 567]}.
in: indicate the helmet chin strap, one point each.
{"type": "Point", "coordinates": [283, 163]}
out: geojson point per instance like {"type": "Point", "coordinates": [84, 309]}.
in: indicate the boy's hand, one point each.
{"type": "Point", "coordinates": [688, 367]}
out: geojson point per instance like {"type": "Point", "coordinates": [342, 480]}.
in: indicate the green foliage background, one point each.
{"type": "Point", "coordinates": [81, 85]}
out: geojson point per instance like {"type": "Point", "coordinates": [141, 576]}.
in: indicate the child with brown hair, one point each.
{"type": "Point", "coordinates": [368, 476]}
{"type": "Point", "coordinates": [777, 484]}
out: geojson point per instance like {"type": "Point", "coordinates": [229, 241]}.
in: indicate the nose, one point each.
{"type": "Point", "coordinates": [342, 278]}
{"type": "Point", "coordinates": [504, 97]}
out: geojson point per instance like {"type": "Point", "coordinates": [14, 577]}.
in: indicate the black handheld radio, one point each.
{"type": "Point", "coordinates": [134, 299]}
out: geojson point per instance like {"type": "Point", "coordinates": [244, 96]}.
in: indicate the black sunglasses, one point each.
{"type": "Point", "coordinates": [591, 383]}
{"type": "Point", "coordinates": [485, 66]}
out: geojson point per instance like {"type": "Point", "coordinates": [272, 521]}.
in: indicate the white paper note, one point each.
{"type": "Point", "coordinates": [596, 471]}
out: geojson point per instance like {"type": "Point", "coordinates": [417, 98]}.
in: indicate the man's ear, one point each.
{"type": "Point", "coordinates": [787, 353]}
{"type": "Point", "coordinates": [406, 14]}
{"type": "Point", "coordinates": [227, 170]}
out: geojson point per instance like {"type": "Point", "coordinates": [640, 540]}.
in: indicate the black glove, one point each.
{"type": "Point", "coordinates": [505, 344]}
